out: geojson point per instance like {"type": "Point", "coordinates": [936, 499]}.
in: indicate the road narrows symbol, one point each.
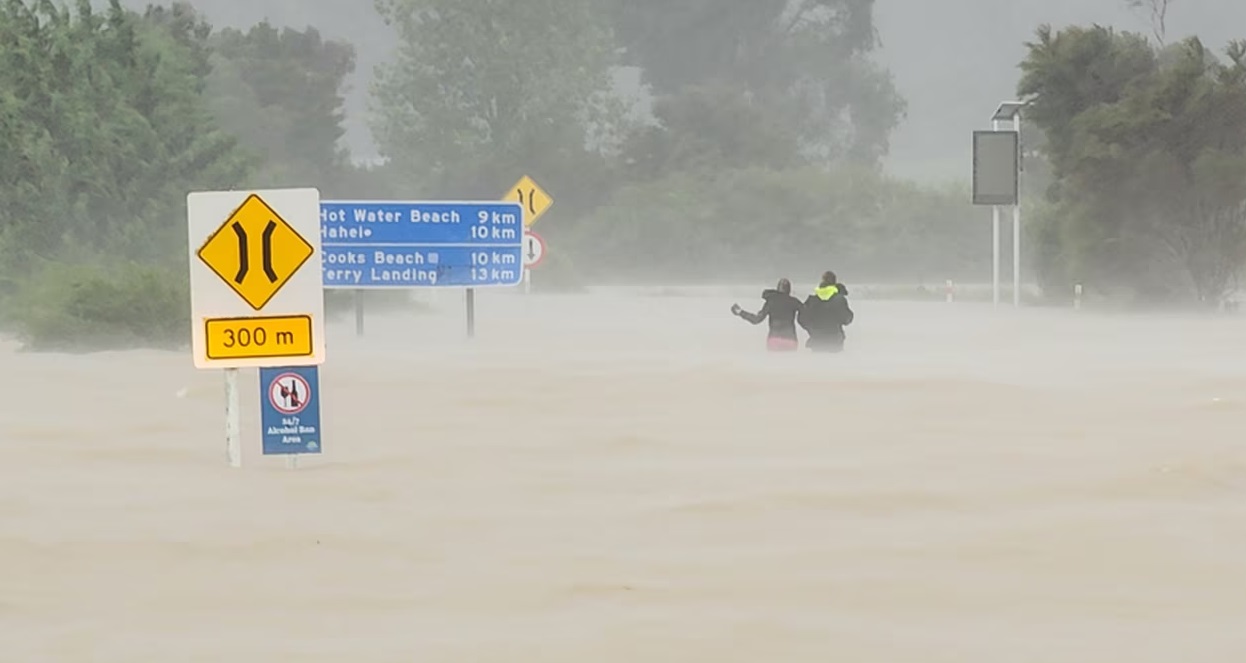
{"type": "Point", "coordinates": [530, 199]}
{"type": "Point", "coordinates": [268, 252]}
{"type": "Point", "coordinates": [259, 232]}
{"type": "Point", "coordinates": [533, 201]}
{"type": "Point", "coordinates": [242, 252]}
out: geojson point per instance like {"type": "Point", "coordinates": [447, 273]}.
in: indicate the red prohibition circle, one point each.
{"type": "Point", "coordinates": [278, 394]}
{"type": "Point", "coordinates": [539, 240]}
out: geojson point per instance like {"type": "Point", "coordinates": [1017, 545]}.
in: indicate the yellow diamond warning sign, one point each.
{"type": "Point", "coordinates": [255, 252]}
{"type": "Point", "coordinates": [256, 285]}
{"type": "Point", "coordinates": [531, 197]}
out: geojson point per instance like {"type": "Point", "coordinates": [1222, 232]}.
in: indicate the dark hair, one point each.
{"type": "Point", "coordinates": [829, 278]}
{"type": "Point", "coordinates": [784, 286]}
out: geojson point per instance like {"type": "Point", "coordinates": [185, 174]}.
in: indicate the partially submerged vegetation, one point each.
{"type": "Point", "coordinates": [751, 162]}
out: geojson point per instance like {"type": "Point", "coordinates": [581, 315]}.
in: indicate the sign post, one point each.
{"type": "Point", "coordinates": [995, 155]}
{"type": "Point", "coordinates": [255, 291]}
{"type": "Point", "coordinates": [997, 182]}
{"type": "Point", "coordinates": [535, 203]}
{"type": "Point", "coordinates": [533, 254]}
{"type": "Point", "coordinates": [385, 244]}
{"type": "Point", "coordinates": [233, 419]}
{"type": "Point", "coordinates": [290, 411]}
{"type": "Point", "coordinates": [531, 197]}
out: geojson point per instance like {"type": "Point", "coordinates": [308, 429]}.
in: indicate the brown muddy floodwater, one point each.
{"type": "Point", "coordinates": [625, 478]}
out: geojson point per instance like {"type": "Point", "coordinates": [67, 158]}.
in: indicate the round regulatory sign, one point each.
{"type": "Point", "coordinates": [533, 249]}
{"type": "Point", "coordinates": [289, 393]}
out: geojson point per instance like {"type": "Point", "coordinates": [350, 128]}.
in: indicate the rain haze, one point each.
{"type": "Point", "coordinates": [602, 459]}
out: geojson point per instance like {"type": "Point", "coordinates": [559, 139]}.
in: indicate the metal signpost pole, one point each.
{"type": "Point", "coordinates": [996, 182]}
{"type": "Point", "coordinates": [1016, 225]}
{"type": "Point", "coordinates": [534, 252]}
{"type": "Point", "coordinates": [995, 242]}
{"type": "Point", "coordinates": [233, 419]}
{"type": "Point", "coordinates": [535, 203]}
{"type": "Point", "coordinates": [255, 286]}
{"type": "Point", "coordinates": [408, 244]}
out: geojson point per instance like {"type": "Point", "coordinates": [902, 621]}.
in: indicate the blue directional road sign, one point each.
{"type": "Point", "coordinates": [290, 410]}
{"type": "Point", "coordinates": [415, 244]}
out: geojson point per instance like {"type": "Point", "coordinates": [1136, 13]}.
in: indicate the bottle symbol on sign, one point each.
{"type": "Point", "coordinates": [290, 394]}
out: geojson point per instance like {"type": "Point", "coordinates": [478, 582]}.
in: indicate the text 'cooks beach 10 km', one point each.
{"type": "Point", "coordinates": [393, 243]}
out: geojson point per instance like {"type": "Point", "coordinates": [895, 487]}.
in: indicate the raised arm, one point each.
{"type": "Point", "coordinates": [758, 317]}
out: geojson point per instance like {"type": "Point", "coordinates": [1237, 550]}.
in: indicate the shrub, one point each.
{"type": "Point", "coordinates": [83, 307]}
{"type": "Point", "coordinates": [757, 223]}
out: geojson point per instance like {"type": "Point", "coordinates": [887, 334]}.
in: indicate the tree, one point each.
{"type": "Point", "coordinates": [759, 223]}
{"type": "Point", "coordinates": [803, 61]}
{"type": "Point", "coordinates": [280, 92]}
{"type": "Point", "coordinates": [709, 127]}
{"type": "Point", "coordinates": [1148, 155]}
{"type": "Point", "coordinates": [1067, 74]}
{"type": "Point", "coordinates": [482, 91]}
{"type": "Point", "coordinates": [104, 130]}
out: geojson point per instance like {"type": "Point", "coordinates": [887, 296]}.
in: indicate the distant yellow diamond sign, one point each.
{"type": "Point", "coordinates": [531, 198]}
{"type": "Point", "coordinates": [255, 252]}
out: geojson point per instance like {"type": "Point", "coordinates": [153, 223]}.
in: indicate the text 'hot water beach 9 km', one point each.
{"type": "Point", "coordinates": [405, 244]}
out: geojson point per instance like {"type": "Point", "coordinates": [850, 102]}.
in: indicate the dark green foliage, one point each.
{"type": "Point", "coordinates": [740, 224]}
{"type": "Point", "coordinates": [78, 307]}
{"type": "Point", "coordinates": [103, 131]}
{"type": "Point", "coordinates": [763, 160]}
{"type": "Point", "coordinates": [481, 92]}
{"type": "Point", "coordinates": [279, 91]}
{"type": "Point", "coordinates": [803, 64]}
{"type": "Point", "coordinates": [1147, 149]}
{"type": "Point", "coordinates": [107, 121]}
{"type": "Point", "coordinates": [706, 127]}
{"type": "Point", "coordinates": [758, 110]}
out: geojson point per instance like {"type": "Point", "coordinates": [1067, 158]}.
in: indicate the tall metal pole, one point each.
{"type": "Point", "coordinates": [358, 313]}
{"type": "Point", "coordinates": [233, 427]}
{"type": "Point", "coordinates": [1016, 225]}
{"type": "Point", "coordinates": [995, 243]}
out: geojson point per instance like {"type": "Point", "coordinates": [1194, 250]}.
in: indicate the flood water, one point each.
{"type": "Point", "coordinates": [630, 478]}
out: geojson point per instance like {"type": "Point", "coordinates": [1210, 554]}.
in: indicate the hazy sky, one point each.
{"type": "Point", "coordinates": [955, 60]}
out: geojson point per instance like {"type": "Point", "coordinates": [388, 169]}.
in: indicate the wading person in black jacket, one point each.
{"type": "Point", "coordinates": [781, 308]}
{"type": "Point", "coordinates": [824, 315]}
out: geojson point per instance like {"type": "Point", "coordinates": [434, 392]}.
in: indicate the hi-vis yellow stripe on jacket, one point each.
{"type": "Point", "coordinates": [826, 292]}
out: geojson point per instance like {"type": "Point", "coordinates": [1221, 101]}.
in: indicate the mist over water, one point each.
{"type": "Point", "coordinates": [622, 476]}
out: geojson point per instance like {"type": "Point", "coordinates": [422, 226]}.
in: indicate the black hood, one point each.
{"type": "Point", "coordinates": [771, 293]}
